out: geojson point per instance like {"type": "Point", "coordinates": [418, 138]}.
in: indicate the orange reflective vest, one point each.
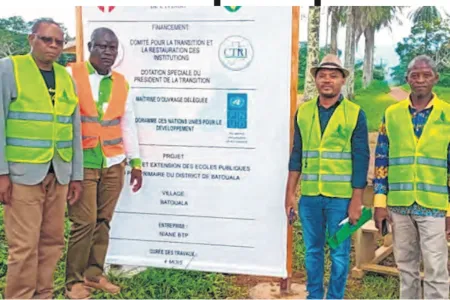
{"type": "Point", "coordinates": [107, 130]}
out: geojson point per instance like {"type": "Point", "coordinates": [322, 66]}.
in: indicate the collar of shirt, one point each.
{"type": "Point", "coordinates": [341, 97]}
{"type": "Point", "coordinates": [92, 70]}
{"type": "Point", "coordinates": [428, 107]}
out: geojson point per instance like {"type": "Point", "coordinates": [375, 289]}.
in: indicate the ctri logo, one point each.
{"type": "Point", "coordinates": [106, 8]}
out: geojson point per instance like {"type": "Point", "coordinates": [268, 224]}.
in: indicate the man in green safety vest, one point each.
{"type": "Point", "coordinates": [412, 183]}
{"type": "Point", "coordinates": [41, 160]}
{"type": "Point", "coordinates": [331, 152]}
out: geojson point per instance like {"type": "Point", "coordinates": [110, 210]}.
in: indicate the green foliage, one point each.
{"type": "Point", "coordinates": [151, 284]}
{"type": "Point", "coordinates": [426, 38]}
{"type": "Point", "coordinates": [443, 92]}
{"type": "Point", "coordinates": [66, 58]}
{"type": "Point", "coordinates": [379, 73]}
{"type": "Point", "coordinates": [14, 37]}
{"type": "Point", "coordinates": [370, 287]}
{"type": "Point", "coordinates": [303, 57]}
{"type": "Point", "coordinates": [444, 79]}
{"type": "Point", "coordinates": [376, 87]}
{"type": "Point", "coordinates": [358, 79]}
{"type": "Point", "coordinates": [373, 101]}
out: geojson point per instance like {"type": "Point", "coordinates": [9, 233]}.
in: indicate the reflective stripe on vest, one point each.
{"type": "Point", "coordinates": [418, 167]}
{"type": "Point", "coordinates": [327, 158]}
{"type": "Point", "coordinates": [107, 130]}
{"type": "Point", "coordinates": [34, 126]}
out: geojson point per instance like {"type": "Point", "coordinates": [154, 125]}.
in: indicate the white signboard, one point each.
{"type": "Point", "coordinates": [211, 90]}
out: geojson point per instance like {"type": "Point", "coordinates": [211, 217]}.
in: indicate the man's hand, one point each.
{"type": "Point", "coordinates": [447, 227]}
{"type": "Point", "coordinates": [354, 212]}
{"type": "Point", "coordinates": [5, 189]}
{"type": "Point", "coordinates": [354, 209]}
{"type": "Point", "coordinates": [291, 203]}
{"type": "Point", "coordinates": [75, 190]}
{"type": "Point", "coordinates": [381, 214]}
{"type": "Point", "coordinates": [136, 179]}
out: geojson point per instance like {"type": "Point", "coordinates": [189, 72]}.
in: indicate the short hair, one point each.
{"type": "Point", "coordinates": [425, 59]}
{"type": "Point", "coordinates": [41, 21]}
{"type": "Point", "coordinates": [101, 31]}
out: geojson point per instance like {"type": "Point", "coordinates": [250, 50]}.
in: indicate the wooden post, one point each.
{"type": "Point", "coordinates": [79, 33]}
{"type": "Point", "coordinates": [285, 284]}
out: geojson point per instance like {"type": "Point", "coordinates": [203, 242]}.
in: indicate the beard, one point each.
{"type": "Point", "coordinates": [328, 95]}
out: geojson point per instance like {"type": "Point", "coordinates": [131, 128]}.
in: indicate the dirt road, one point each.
{"type": "Point", "coordinates": [398, 93]}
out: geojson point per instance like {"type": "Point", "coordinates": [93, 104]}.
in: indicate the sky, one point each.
{"type": "Point", "coordinates": [385, 40]}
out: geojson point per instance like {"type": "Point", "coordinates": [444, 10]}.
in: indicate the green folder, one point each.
{"type": "Point", "coordinates": [348, 229]}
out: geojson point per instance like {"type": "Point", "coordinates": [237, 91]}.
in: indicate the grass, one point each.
{"type": "Point", "coordinates": [372, 286]}
{"type": "Point", "coordinates": [373, 101]}
{"type": "Point", "coordinates": [443, 92]}
{"type": "Point", "coordinates": [152, 283]}
{"type": "Point", "coordinates": [177, 284]}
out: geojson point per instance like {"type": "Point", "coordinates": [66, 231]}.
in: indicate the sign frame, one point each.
{"type": "Point", "coordinates": [284, 282]}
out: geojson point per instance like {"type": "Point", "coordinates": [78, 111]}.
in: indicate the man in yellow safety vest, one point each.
{"type": "Point", "coordinates": [412, 184]}
{"type": "Point", "coordinates": [41, 165]}
{"type": "Point", "coordinates": [331, 152]}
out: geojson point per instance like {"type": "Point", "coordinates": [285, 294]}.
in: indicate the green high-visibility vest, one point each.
{"type": "Point", "coordinates": [34, 126]}
{"type": "Point", "coordinates": [327, 158]}
{"type": "Point", "coordinates": [418, 167]}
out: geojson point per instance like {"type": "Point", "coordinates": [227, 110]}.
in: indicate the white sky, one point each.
{"type": "Point", "coordinates": [385, 40]}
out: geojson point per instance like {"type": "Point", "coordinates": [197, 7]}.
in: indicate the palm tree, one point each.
{"type": "Point", "coordinates": [350, 45]}
{"type": "Point", "coordinates": [337, 18]}
{"type": "Point", "coordinates": [313, 51]}
{"type": "Point", "coordinates": [372, 19]}
{"type": "Point", "coordinates": [427, 15]}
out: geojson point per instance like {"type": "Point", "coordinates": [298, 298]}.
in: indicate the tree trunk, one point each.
{"type": "Point", "coordinates": [313, 52]}
{"type": "Point", "coordinates": [350, 53]}
{"type": "Point", "coordinates": [328, 29]}
{"type": "Point", "coordinates": [334, 31]}
{"type": "Point", "coordinates": [369, 50]}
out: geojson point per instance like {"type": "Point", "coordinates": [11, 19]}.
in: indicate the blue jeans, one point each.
{"type": "Point", "coordinates": [317, 214]}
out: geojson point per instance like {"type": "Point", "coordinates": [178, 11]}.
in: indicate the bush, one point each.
{"type": "Point", "coordinates": [444, 80]}
{"type": "Point", "coordinates": [377, 87]}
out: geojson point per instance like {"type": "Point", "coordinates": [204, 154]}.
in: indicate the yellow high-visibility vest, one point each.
{"type": "Point", "coordinates": [418, 167]}
{"type": "Point", "coordinates": [327, 159]}
{"type": "Point", "coordinates": [34, 126]}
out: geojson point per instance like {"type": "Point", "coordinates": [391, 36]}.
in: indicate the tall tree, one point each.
{"type": "Point", "coordinates": [313, 51]}
{"type": "Point", "coordinates": [350, 47]}
{"type": "Point", "coordinates": [327, 13]}
{"type": "Point", "coordinates": [337, 16]}
{"type": "Point", "coordinates": [13, 38]}
{"type": "Point", "coordinates": [438, 35]}
{"type": "Point", "coordinates": [426, 15]}
{"type": "Point", "coordinates": [372, 19]}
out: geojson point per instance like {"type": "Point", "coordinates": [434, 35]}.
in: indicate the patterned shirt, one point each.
{"type": "Point", "coordinates": [380, 183]}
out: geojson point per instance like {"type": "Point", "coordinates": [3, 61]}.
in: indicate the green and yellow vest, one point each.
{"type": "Point", "coordinates": [327, 158]}
{"type": "Point", "coordinates": [34, 126]}
{"type": "Point", "coordinates": [418, 167]}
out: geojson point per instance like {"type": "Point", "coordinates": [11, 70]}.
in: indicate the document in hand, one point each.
{"type": "Point", "coordinates": [348, 229]}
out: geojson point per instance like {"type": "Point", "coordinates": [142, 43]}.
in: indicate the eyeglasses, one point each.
{"type": "Point", "coordinates": [48, 40]}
